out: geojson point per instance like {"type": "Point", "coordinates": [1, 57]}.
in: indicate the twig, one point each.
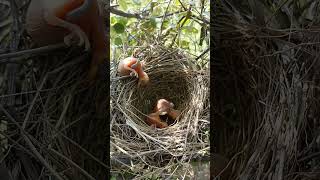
{"type": "Point", "coordinates": [69, 97]}
{"type": "Point", "coordinates": [81, 148]}
{"type": "Point", "coordinates": [33, 102]}
{"type": "Point", "coordinates": [203, 19]}
{"type": "Point", "coordinates": [292, 47]}
{"type": "Point", "coordinates": [186, 9]}
{"type": "Point", "coordinates": [162, 21]}
{"type": "Point", "coordinates": [119, 78]}
{"type": "Point", "coordinates": [71, 63]}
{"type": "Point", "coordinates": [32, 147]}
{"type": "Point", "coordinates": [123, 14]}
{"type": "Point", "coordinates": [170, 14]}
{"type": "Point", "coordinates": [30, 52]}
{"type": "Point", "coordinates": [30, 92]}
{"type": "Point", "coordinates": [309, 157]}
{"type": "Point", "coordinates": [12, 68]}
{"type": "Point", "coordinates": [203, 53]}
{"type": "Point", "coordinates": [72, 163]}
{"type": "Point", "coordinates": [184, 18]}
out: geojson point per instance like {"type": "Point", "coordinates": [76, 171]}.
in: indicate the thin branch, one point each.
{"type": "Point", "coordinates": [31, 146]}
{"type": "Point", "coordinates": [203, 19]}
{"type": "Point", "coordinates": [203, 53]}
{"type": "Point", "coordinates": [186, 9]}
{"type": "Point", "coordinates": [33, 102]}
{"type": "Point", "coordinates": [30, 52]}
{"type": "Point", "coordinates": [124, 14]}
{"type": "Point", "coordinates": [162, 21]}
{"type": "Point", "coordinates": [170, 14]}
{"type": "Point", "coordinates": [71, 162]}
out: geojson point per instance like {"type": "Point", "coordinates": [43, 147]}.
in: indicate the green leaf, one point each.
{"type": "Point", "coordinates": [150, 24]}
{"type": "Point", "coordinates": [166, 24]}
{"type": "Point", "coordinates": [190, 29]}
{"type": "Point", "coordinates": [152, 5]}
{"type": "Point", "coordinates": [123, 20]}
{"type": "Point", "coordinates": [113, 20]}
{"type": "Point", "coordinates": [183, 14]}
{"type": "Point", "coordinates": [123, 4]}
{"type": "Point", "coordinates": [118, 41]}
{"type": "Point", "coordinates": [133, 42]}
{"type": "Point", "coordinates": [153, 22]}
{"type": "Point", "coordinates": [157, 11]}
{"type": "Point", "coordinates": [185, 44]}
{"type": "Point", "coordinates": [177, 3]}
{"type": "Point", "coordinates": [119, 28]}
{"type": "Point", "coordinates": [131, 21]}
{"type": "Point", "coordinates": [137, 2]}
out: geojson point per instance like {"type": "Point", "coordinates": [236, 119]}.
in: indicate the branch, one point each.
{"type": "Point", "coordinates": [183, 6]}
{"type": "Point", "coordinates": [31, 146]}
{"type": "Point", "coordinates": [203, 53]}
{"type": "Point", "coordinates": [124, 14]}
{"type": "Point", "coordinates": [203, 19]}
{"type": "Point", "coordinates": [28, 52]}
{"type": "Point", "coordinates": [170, 14]}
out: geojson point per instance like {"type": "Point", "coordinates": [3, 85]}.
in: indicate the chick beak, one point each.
{"type": "Point", "coordinates": [163, 113]}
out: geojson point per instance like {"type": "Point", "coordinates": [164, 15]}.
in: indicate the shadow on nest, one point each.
{"type": "Point", "coordinates": [172, 77]}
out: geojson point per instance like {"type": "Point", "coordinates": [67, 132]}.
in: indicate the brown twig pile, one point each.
{"type": "Point", "coordinates": [147, 151]}
{"type": "Point", "coordinates": [52, 124]}
{"type": "Point", "coordinates": [267, 96]}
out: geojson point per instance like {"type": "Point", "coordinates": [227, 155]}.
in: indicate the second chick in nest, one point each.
{"type": "Point", "coordinates": [163, 108]}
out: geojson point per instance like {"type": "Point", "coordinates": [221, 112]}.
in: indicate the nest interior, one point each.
{"type": "Point", "coordinates": [172, 77]}
{"type": "Point", "coordinates": [168, 81]}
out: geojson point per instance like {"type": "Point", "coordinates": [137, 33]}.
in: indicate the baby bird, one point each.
{"type": "Point", "coordinates": [153, 119]}
{"type": "Point", "coordinates": [162, 107]}
{"type": "Point", "coordinates": [166, 107]}
{"type": "Point", "coordinates": [133, 67]}
{"type": "Point", "coordinates": [54, 21]}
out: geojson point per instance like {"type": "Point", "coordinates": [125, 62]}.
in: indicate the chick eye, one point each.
{"type": "Point", "coordinates": [133, 66]}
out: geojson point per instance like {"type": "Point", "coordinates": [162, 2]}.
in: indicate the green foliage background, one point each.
{"type": "Point", "coordinates": [186, 26]}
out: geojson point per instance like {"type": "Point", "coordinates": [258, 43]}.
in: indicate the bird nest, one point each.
{"type": "Point", "coordinates": [266, 95]}
{"type": "Point", "coordinates": [143, 148]}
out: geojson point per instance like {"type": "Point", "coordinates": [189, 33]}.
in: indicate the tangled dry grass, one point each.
{"type": "Point", "coordinates": [52, 125]}
{"type": "Point", "coordinates": [159, 151]}
{"type": "Point", "coordinates": [266, 95]}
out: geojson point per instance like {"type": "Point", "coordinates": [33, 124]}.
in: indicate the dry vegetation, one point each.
{"type": "Point", "coordinates": [146, 151]}
{"type": "Point", "coordinates": [266, 88]}
{"type": "Point", "coordinates": [52, 125]}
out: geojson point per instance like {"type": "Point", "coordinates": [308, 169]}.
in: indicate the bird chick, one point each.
{"type": "Point", "coordinates": [166, 107]}
{"type": "Point", "coordinates": [54, 21]}
{"type": "Point", "coordinates": [163, 107]}
{"type": "Point", "coordinates": [153, 119]}
{"type": "Point", "coordinates": [133, 67]}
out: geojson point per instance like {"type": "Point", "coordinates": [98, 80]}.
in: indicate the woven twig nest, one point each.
{"type": "Point", "coordinates": [172, 77]}
{"type": "Point", "coordinates": [6, 23]}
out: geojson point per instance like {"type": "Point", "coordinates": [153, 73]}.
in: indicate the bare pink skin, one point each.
{"type": "Point", "coordinates": [153, 119]}
{"type": "Point", "coordinates": [131, 66]}
{"type": "Point", "coordinates": [47, 23]}
{"type": "Point", "coordinates": [174, 113]}
{"type": "Point", "coordinates": [163, 106]}
{"type": "Point", "coordinates": [166, 107]}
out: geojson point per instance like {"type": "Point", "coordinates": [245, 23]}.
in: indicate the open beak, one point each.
{"type": "Point", "coordinates": [163, 113]}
